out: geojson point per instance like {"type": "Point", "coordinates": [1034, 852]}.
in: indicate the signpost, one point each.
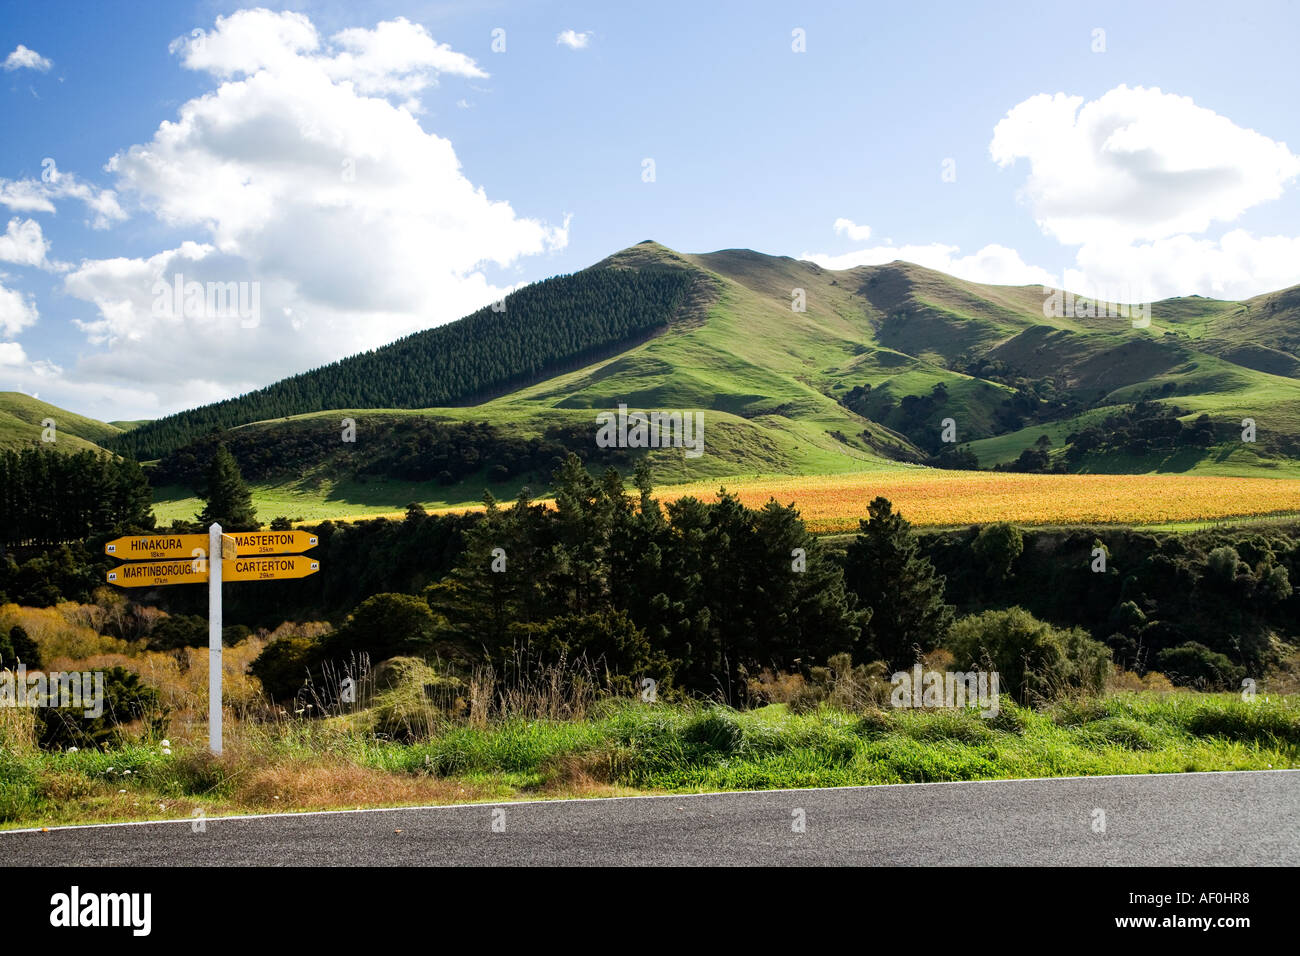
{"type": "Point", "coordinates": [273, 542]}
{"type": "Point", "coordinates": [245, 556]}
{"type": "Point", "coordinates": [268, 569]}
{"type": "Point", "coordinates": [152, 574]}
{"type": "Point", "coordinates": [214, 641]}
{"type": "Point", "coordinates": [149, 574]}
{"type": "Point", "coordinates": [157, 547]}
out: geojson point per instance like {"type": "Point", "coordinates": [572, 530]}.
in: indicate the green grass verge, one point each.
{"type": "Point", "coordinates": [633, 748]}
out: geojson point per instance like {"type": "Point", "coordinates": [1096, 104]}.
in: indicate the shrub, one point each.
{"type": "Point", "coordinates": [383, 626]}
{"type": "Point", "coordinates": [607, 641]}
{"type": "Point", "coordinates": [774, 687]}
{"type": "Point", "coordinates": [17, 646]}
{"type": "Point", "coordinates": [127, 700]}
{"type": "Point", "coordinates": [412, 700]}
{"type": "Point", "coordinates": [1011, 718]}
{"type": "Point", "coordinates": [1090, 663]}
{"type": "Point", "coordinates": [62, 631]}
{"type": "Point", "coordinates": [1195, 665]}
{"type": "Point", "coordinates": [1128, 680]}
{"type": "Point", "coordinates": [282, 667]}
{"type": "Point", "coordinates": [179, 630]}
{"type": "Point", "coordinates": [997, 547]}
{"type": "Point", "coordinates": [1033, 659]}
{"type": "Point", "coordinates": [1222, 564]}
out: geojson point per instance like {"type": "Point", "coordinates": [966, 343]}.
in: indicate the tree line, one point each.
{"type": "Point", "coordinates": [48, 497]}
{"type": "Point", "coordinates": [404, 448]}
{"type": "Point", "coordinates": [703, 595]}
{"type": "Point", "coordinates": [565, 321]}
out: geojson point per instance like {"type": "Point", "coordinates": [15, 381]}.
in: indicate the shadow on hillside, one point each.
{"type": "Point", "coordinates": [1119, 463]}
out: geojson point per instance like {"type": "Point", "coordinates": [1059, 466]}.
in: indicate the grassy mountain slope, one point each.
{"type": "Point", "coordinates": [861, 379]}
{"type": "Point", "coordinates": [21, 418]}
{"type": "Point", "coordinates": [537, 332]}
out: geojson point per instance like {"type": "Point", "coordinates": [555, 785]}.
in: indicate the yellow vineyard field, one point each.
{"type": "Point", "coordinates": [836, 502]}
{"type": "Point", "coordinates": [927, 497]}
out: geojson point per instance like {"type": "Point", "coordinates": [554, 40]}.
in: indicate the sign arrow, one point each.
{"type": "Point", "coordinates": [155, 547]}
{"type": "Point", "coordinates": [272, 542]}
{"type": "Point", "coordinates": [269, 568]}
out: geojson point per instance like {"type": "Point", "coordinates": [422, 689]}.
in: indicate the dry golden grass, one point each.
{"type": "Point", "coordinates": [296, 785]}
{"type": "Point", "coordinates": [331, 784]}
{"type": "Point", "coordinates": [582, 775]}
{"type": "Point", "coordinates": [1121, 681]}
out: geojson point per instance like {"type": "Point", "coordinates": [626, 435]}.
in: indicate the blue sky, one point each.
{"type": "Point", "coordinates": [474, 169]}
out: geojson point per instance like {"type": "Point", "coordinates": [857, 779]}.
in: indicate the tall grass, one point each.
{"type": "Point", "coordinates": [414, 731]}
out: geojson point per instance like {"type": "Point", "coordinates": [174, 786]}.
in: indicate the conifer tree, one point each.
{"type": "Point", "coordinates": [905, 596]}
{"type": "Point", "coordinates": [228, 499]}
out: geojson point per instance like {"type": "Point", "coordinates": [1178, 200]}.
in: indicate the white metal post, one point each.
{"type": "Point", "coordinates": [214, 638]}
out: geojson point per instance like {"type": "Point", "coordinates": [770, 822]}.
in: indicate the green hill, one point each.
{"type": "Point", "coordinates": [22, 418]}
{"type": "Point", "coordinates": [538, 331]}
{"type": "Point", "coordinates": [864, 377]}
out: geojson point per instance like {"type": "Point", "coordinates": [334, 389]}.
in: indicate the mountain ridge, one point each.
{"type": "Point", "coordinates": [861, 378]}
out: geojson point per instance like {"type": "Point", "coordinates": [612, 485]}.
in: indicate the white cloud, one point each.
{"type": "Point", "coordinates": [25, 59]}
{"type": "Point", "coordinates": [1131, 178]}
{"type": "Point", "coordinates": [105, 401]}
{"type": "Point", "coordinates": [39, 195]}
{"type": "Point", "coordinates": [993, 264]}
{"type": "Point", "coordinates": [1137, 164]}
{"type": "Point", "coordinates": [124, 292]}
{"type": "Point", "coordinates": [847, 227]}
{"type": "Point", "coordinates": [24, 244]}
{"type": "Point", "coordinates": [1237, 266]}
{"type": "Point", "coordinates": [299, 173]}
{"type": "Point", "coordinates": [17, 311]}
{"type": "Point", "coordinates": [397, 57]}
{"type": "Point", "coordinates": [248, 41]}
{"type": "Point", "coordinates": [573, 40]}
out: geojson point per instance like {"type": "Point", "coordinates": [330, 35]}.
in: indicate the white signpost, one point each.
{"type": "Point", "coordinates": [214, 639]}
{"type": "Point", "coordinates": [222, 548]}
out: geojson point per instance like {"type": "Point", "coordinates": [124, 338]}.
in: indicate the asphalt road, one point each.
{"type": "Point", "coordinates": [1248, 818]}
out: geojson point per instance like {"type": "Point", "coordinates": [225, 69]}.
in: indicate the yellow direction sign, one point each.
{"type": "Point", "coordinates": [269, 569]}
{"type": "Point", "coordinates": [157, 573]}
{"type": "Point", "coordinates": [272, 542]}
{"type": "Point", "coordinates": [156, 547]}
